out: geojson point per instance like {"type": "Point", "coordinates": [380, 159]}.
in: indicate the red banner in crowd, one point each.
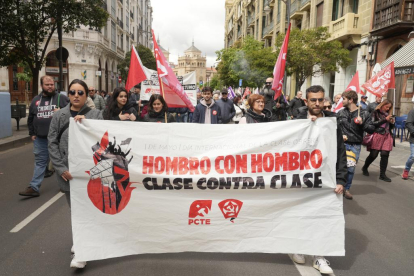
{"type": "Point", "coordinates": [381, 82]}
{"type": "Point", "coordinates": [171, 88]}
{"type": "Point", "coordinates": [279, 70]}
{"type": "Point", "coordinates": [354, 84]}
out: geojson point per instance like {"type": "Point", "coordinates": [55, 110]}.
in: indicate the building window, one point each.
{"type": "Point", "coordinates": [52, 61]}
{"type": "Point", "coordinates": [408, 11]}
{"type": "Point", "coordinates": [319, 15]}
{"type": "Point", "coordinates": [113, 36]}
{"type": "Point", "coordinates": [113, 8]}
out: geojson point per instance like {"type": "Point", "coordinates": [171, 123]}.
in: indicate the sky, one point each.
{"type": "Point", "coordinates": [177, 22]}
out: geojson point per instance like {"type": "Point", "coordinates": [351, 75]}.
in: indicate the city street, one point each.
{"type": "Point", "coordinates": [379, 232]}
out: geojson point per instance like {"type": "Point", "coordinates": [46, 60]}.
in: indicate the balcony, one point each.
{"type": "Point", "coordinates": [131, 15]}
{"type": "Point", "coordinates": [268, 30]}
{"type": "Point", "coordinates": [392, 17]}
{"type": "Point", "coordinates": [120, 23]}
{"type": "Point", "coordinates": [347, 26]}
{"type": "Point", "coordinates": [295, 12]}
{"type": "Point", "coordinates": [305, 5]}
{"type": "Point", "coordinates": [119, 51]}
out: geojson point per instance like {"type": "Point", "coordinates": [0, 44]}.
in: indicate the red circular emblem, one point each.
{"type": "Point", "coordinates": [214, 112]}
{"type": "Point", "coordinates": [37, 103]}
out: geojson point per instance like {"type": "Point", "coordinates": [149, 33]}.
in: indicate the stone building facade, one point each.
{"type": "Point", "coordinates": [192, 60]}
{"type": "Point", "coordinates": [93, 53]}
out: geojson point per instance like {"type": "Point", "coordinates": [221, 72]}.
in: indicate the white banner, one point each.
{"type": "Point", "coordinates": [152, 86]}
{"type": "Point", "coordinates": [155, 188]}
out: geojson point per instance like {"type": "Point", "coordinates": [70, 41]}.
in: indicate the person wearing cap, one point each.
{"type": "Point", "coordinates": [226, 107]}
{"type": "Point", "coordinates": [363, 102]}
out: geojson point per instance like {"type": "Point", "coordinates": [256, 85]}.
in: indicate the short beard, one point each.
{"type": "Point", "coordinates": [311, 112]}
{"type": "Point", "coordinates": [48, 94]}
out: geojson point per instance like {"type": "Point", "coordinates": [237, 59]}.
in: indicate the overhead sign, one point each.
{"type": "Point", "coordinates": [55, 70]}
{"type": "Point", "coordinates": [240, 82]}
{"type": "Point", "coordinates": [157, 188]}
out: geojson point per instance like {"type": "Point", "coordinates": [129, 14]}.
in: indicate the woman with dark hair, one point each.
{"type": "Point", "coordinates": [238, 106]}
{"type": "Point", "coordinates": [58, 138]}
{"type": "Point", "coordinates": [157, 108]}
{"type": "Point", "coordinates": [382, 140]}
{"type": "Point", "coordinates": [119, 107]}
{"type": "Point", "coordinates": [256, 113]}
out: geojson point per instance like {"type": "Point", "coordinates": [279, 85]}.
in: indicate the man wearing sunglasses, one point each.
{"type": "Point", "coordinates": [277, 107]}
{"type": "Point", "coordinates": [315, 110]}
{"type": "Point", "coordinates": [327, 104]}
{"type": "Point", "coordinates": [41, 111]}
{"type": "Point", "coordinates": [97, 99]}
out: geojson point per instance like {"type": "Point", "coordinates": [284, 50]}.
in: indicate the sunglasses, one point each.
{"type": "Point", "coordinates": [268, 83]}
{"type": "Point", "coordinates": [223, 93]}
{"type": "Point", "coordinates": [327, 106]}
{"type": "Point", "coordinates": [91, 90]}
{"type": "Point", "coordinates": [73, 92]}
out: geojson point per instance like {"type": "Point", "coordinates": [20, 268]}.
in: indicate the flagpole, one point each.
{"type": "Point", "coordinates": [393, 106]}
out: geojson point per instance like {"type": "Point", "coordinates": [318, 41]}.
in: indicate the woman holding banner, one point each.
{"type": "Point", "coordinates": [158, 111]}
{"type": "Point", "coordinates": [119, 107]}
{"type": "Point", "coordinates": [58, 138]}
{"type": "Point", "coordinates": [256, 113]}
{"type": "Point", "coordinates": [381, 140]}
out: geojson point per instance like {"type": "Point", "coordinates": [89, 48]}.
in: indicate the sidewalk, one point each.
{"type": "Point", "coordinates": [19, 138]}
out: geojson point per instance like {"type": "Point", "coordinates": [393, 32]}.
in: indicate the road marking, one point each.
{"type": "Point", "coordinates": [27, 220]}
{"type": "Point", "coordinates": [307, 269]}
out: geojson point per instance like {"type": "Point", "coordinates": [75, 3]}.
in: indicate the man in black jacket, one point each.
{"type": "Point", "coordinates": [314, 110]}
{"type": "Point", "coordinates": [207, 111]}
{"type": "Point", "coordinates": [40, 115]}
{"type": "Point", "coordinates": [353, 124]}
{"type": "Point", "coordinates": [226, 107]}
{"type": "Point", "coordinates": [371, 107]}
{"type": "Point", "coordinates": [296, 103]}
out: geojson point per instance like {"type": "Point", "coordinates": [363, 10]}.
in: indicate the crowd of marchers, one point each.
{"type": "Point", "coordinates": [359, 123]}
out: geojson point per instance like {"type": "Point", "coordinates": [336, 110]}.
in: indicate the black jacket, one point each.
{"type": "Point", "coordinates": [294, 106]}
{"type": "Point", "coordinates": [371, 107]}
{"type": "Point", "coordinates": [341, 163]}
{"type": "Point", "coordinates": [158, 117]}
{"type": "Point", "coordinates": [199, 115]}
{"type": "Point", "coordinates": [227, 110]}
{"type": "Point", "coordinates": [378, 119]}
{"type": "Point", "coordinates": [252, 117]}
{"type": "Point", "coordinates": [114, 114]}
{"type": "Point", "coordinates": [354, 132]}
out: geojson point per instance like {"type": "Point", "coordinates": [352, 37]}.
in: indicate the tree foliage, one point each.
{"type": "Point", "coordinates": [26, 28]}
{"type": "Point", "coordinates": [146, 56]}
{"type": "Point", "coordinates": [311, 54]}
{"type": "Point", "coordinates": [215, 83]}
{"type": "Point", "coordinates": [248, 60]}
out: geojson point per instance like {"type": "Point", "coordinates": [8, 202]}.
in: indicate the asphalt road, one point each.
{"type": "Point", "coordinates": [379, 233]}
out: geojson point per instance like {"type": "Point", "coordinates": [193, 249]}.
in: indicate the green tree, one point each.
{"type": "Point", "coordinates": [248, 60]}
{"type": "Point", "coordinates": [215, 83]}
{"type": "Point", "coordinates": [25, 76]}
{"type": "Point", "coordinates": [26, 28]}
{"type": "Point", "coordinates": [311, 54]}
{"type": "Point", "coordinates": [146, 56]}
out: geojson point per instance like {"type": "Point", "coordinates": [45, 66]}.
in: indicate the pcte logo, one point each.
{"type": "Point", "coordinates": [198, 211]}
{"type": "Point", "coordinates": [230, 208]}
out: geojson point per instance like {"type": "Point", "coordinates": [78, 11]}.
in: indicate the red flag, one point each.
{"type": "Point", "coordinates": [136, 72]}
{"type": "Point", "coordinates": [379, 84]}
{"type": "Point", "coordinates": [339, 106]}
{"type": "Point", "coordinates": [171, 88]}
{"type": "Point", "coordinates": [354, 84]}
{"type": "Point", "coordinates": [279, 70]}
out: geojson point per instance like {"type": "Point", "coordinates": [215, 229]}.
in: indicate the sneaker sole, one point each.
{"type": "Point", "coordinates": [29, 195]}
{"type": "Point", "coordinates": [322, 271]}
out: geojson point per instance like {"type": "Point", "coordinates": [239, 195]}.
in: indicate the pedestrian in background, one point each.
{"type": "Point", "coordinates": [363, 102]}
{"type": "Point", "coordinates": [337, 97]}
{"type": "Point", "coordinates": [296, 103]}
{"type": "Point", "coordinates": [97, 99]}
{"type": "Point", "coordinates": [257, 113]}
{"type": "Point", "coordinates": [41, 112]}
{"type": "Point", "coordinates": [59, 139]}
{"type": "Point", "coordinates": [382, 139]}
{"type": "Point", "coordinates": [226, 107]}
{"type": "Point", "coordinates": [238, 103]}
{"type": "Point", "coordinates": [410, 128]}
{"type": "Point", "coordinates": [372, 106]}
{"type": "Point", "coordinates": [119, 108]}
{"type": "Point", "coordinates": [135, 96]}
{"type": "Point", "coordinates": [157, 107]}
{"type": "Point", "coordinates": [327, 104]}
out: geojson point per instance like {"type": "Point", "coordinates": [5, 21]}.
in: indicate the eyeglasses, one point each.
{"type": "Point", "coordinates": [259, 102]}
{"type": "Point", "coordinates": [223, 93]}
{"type": "Point", "coordinates": [73, 92]}
{"type": "Point", "coordinates": [327, 107]}
{"type": "Point", "coordinates": [314, 100]}
{"type": "Point", "coordinates": [268, 83]}
{"type": "Point", "coordinates": [91, 90]}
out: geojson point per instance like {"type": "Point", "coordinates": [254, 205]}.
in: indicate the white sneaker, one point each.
{"type": "Point", "coordinates": [298, 258]}
{"type": "Point", "coordinates": [72, 250]}
{"type": "Point", "coordinates": [321, 264]}
{"type": "Point", "coordinates": [76, 263]}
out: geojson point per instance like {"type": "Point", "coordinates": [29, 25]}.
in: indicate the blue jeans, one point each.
{"type": "Point", "coordinates": [190, 117]}
{"type": "Point", "coordinates": [182, 118]}
{"type": "Point", "coordinates": [410, 160]}
{"type": "Point", "coordinates": [355, 149]}
{"type": "Point", "coordinates": [41, 154]}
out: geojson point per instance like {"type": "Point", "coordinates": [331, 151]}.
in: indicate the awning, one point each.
{"type": "Point", "coordinates": [403, 57]}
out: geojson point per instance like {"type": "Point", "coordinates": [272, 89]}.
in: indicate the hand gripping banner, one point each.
{"type": "Point", "coordinates": [155, 188]}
